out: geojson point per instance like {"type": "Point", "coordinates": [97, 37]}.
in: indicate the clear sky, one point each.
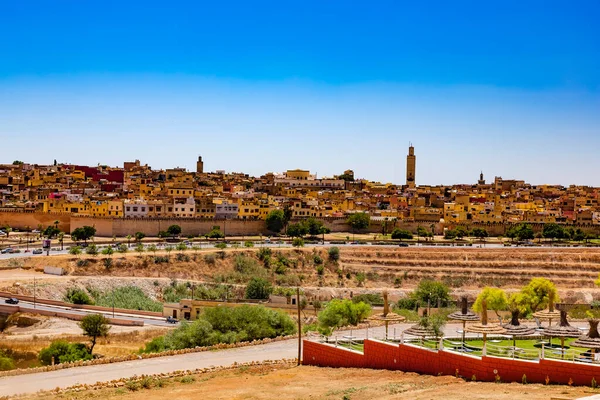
{"type": "Point", "coordinates": [509, 87]}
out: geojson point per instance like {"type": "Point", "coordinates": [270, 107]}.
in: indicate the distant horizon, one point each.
{"type": "Point", "coordinates": [511, 89]}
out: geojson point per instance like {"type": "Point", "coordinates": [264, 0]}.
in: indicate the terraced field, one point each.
{"type": "Point", "coordinates": [568, 268]}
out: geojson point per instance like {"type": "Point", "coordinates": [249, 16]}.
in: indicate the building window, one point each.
{"type": "Point", "coordinates": [128, 209]}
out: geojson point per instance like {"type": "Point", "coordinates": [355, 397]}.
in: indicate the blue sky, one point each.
{"type": "Point", "coordinates": [512, 89]}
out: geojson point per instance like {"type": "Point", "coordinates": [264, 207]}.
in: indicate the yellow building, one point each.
{"type": "Point", "coordinates": [299, 174]}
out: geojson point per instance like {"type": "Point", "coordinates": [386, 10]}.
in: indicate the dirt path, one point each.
{"type": "Point", "coordinates": [289, 382]}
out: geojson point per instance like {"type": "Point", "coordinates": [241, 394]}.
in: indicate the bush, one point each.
{"type": "Point", "coordinates": [259, 289]}
{"type": "Point", "coordinates": [130, 297]}
{"type": "Point", "coordinates": [432, 291]}
{"type": "Point", "coordinates": [77, 296]}
{"type": "Point", "coordinates": [264, 253]}
{"type": "Point", "coordinates": [317, 259]}
{"type": "Point", "coordinates": [210, 259]}
{"type": "Point", "coordinates": [401, 234]}
{"type": "Point", "coordinates": [248, 244]}
{"type": "Point", "coordinates": [280, 269]}
{"type": "Point", "coordinates": [225, 325]}
{"type": "Point", "coordinates": [340, 313]}
{"type": "Point", "coordinates": [82, 262]}
{"type": "Point", "coordinates": [221, 245]}
{"type": "Point", "coordinates": [6, 363]}
{"type": "Point", "coordinates": [92, 250]}
{"type": "Point", "coordinates": [334, 253]}
{"type": "Point", "coordinates": [298, 242]}
{"type": "Point", "coordinates": [62, 351]}
{"type": "Point", "coordinates": [407, 304]}
{"type": "Point", "coordinates": [320, 269]}
{"type": "Point", "coordinates": [215, 233]}
{"type": "Point", "coordinates": [368, 298]}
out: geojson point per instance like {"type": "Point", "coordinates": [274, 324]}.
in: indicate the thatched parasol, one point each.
{"type": "Point", "coordinates": [562, 330]}
{"type": "Point", "coordinates": [484, 328]}
{"type": "Point", "coordinates": [464, 315]}
{"type": "Point", "coordinates": [515, 328]}
{"type": "Point", "coordinates": [386, 316]}
{"type": "Point", "coordinates": [591, 340]}
{"type": "Point", "coordinates": [550, 313]}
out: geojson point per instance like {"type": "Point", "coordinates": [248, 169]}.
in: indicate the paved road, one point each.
{"type": "Point", "coordinates": [155, 321]}
{"type": "Point", "coordinates": [31, 383]}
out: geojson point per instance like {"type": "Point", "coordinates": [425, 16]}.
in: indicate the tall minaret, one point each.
{"type": "Point", "coordinates": [199, 166]}
{"type": "Point", "coordinates": [411, 161]}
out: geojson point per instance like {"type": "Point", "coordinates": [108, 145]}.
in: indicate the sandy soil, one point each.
{"type": "Point", "coordinates": [288, 382]}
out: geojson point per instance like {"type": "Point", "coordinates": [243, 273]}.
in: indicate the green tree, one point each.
{"type": "Point", "coordinates": [553, 231]}
{"type": "Point", "coordinates": [152, 248]}
{"type": "Point", "coordinates": [434, 322]}
{"type": "Point", "coordinates": [51, 231]}
{"type": "Point", "coordinates": [61, 239]}
{"type": "Point", "coordinates": [215, 233]}
{"type": "Point", "coordinates": [479, 233]}
{"type": "Point", "coordinates": [61, 351]}
{"type": "Point", "coordinates": [433, 291]}
{"type": "Point", "coordinates": [139, 248]}
{"type": "Point", "coordinates": [128, 237]}
{"type": "Point", "coordinates": [139, 236]}
{"type": "Point", "coordinates": [339, 313]}
{"type": "Point", "coordinates": [495, 298]}
{"type": "Point", "coordinates": [520, 232]}
{"type": "Point", "coordinates": [298, 242]}
{"type": "Point", "coordinates": [94, 326]}
{"type": "Point", "coordinates": [461, 232]}
{"type": "Point", "coordinates": [359, 221]}
{"type": "Point", "coordinates": [538, 293]}
{"type": "Point", "coordinates": [75, 251]}
{"type": "Point", "coordinates": [275, 221]}
{"type": "Point", "coordinates": [313, 226]}
{"type": "Point", "coordinates": [83, 233]}
{"type": "Point", "coordinates": [297, 230]}
{"type": "Point", "coordinates": [181, 247]}
{"type": "Point", "coordinates": [174, 230]}
{"type": "Point", "coordinates": [398, 233]}
{"type": "Point", "coordinates": [258, 289]}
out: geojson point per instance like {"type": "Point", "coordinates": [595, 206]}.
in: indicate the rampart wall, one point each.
{"type": "Point", "coordinates": [108, 227]}
{"type": "Point", "coordinates": [408, 358]}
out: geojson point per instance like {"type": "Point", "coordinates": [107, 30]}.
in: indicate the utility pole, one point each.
{"type": "Point", "coordinates": [34, 290]}
{"type": "Point", "coordinates": [299, 325]}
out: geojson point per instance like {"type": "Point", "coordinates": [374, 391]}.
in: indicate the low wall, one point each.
{"type": "Point", "coordinates": [64, 314]}
{"type": "Point", "coordinates": [410, 358]}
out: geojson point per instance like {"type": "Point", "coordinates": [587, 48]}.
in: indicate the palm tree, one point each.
{"type": "Point", "coordinates": [61, 238]}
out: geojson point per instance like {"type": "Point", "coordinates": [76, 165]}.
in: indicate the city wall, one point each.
{"type": "Point", "coordinates": [22, 220]}
{"type": "Point", "coordinates": [408, 358]}
{"type": "Point", "coordinates": [108, 227]}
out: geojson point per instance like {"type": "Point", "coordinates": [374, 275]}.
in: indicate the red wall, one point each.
{"type": "Point", "coordinates": [409, 358]}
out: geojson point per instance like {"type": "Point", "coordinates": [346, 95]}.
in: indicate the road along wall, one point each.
{"type": "Point", "coordinates": [408, 358]}
{"type": "Point", "coordinates": [81, 306]}
{"type": "Point", "coordinates": [64, 314]}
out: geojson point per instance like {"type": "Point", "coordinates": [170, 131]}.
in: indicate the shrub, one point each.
{"type": "Point", "coordinates": [334, 253]}
{"type": "Point", "coordinates": [226, 325]}
{"type": "Point", "coordinates": [265, 252]}
{"type": "Point", "coordinates": [298, 242]}
{"type": "Point", "coordinates": [401, 234]}
{"type": "Point", "coordinates": [361, 278]}
{"type": "Point", "coordinates": [62, 351]}
{"type": "Point", "coordinates": [246, 265]}
{"type": "Point", "coordinates": [130, 297]}
{"type": "Point", "coordinates": [210, 259]}
{"type": "Point", "coordinates": [77, 296]}
{"type": "Point", "coordinates": [221, 245]}
{"type": "Point", "coordinates": [92, 250]}
{"type": "Point", "coordinates": [82, 262]}
{"type": "Point", "coordinates": [432, 291]}
{"type": "Point", "coordinates": [368, 298]}
{"type": "Point", "coordinates": [320, 269]}
{"type": "Point", "coordinates": [188, 379]}
{"type": "Point", "coordinates": [258, 288]}
{"type": "Point", "coordinates": [161, 259]}
{"type": "Point", "coordinates": [317, 259]}
{"type": "Point", "coordinates": [407, 303]}
{"type": "Point", "coordinates": [107, 262]}
{"type": "Point", "coordinates": [280, 269]}
{"type": "Point", "coordinates": [6, 363]}
{"type": "Point", "coordinates": [248, 244]}
{"type": "Point", "coordinates": [216, 233]}
{"type": "Point", "coordinates": [340, 313]}
{"type": "Point", "coordinates": [182, 257]}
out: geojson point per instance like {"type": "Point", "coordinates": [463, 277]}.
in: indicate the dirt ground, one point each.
{"type": "Point", "coordinates": [290, 382]}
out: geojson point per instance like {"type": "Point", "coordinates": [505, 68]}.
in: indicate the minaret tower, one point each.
{"type": "Point", "coordinates": [200, 166]}
{"type": "Point", "coordinates": [411, 163]}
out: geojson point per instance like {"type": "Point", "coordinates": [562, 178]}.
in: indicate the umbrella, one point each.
{"type": "Point", "coordinates": [387, 316]}
{"type": "Point", "coordinates": [550, 313]}
{"type": "Point", "coordinates": [514, 328]}
{"type": "Point", "coordinates": [591, 340]}
{"type": "Point", "coordinates": [464, 315]}
{"type": "Point", "coordinates": [420, 330]}
{"type": "Point", "coordinates": [485, 328]}
{"type": "Point", "coordinates": [562, 330]}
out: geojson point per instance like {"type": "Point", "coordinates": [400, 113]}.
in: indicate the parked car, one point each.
{"type": "Point", "coordinates": [12, 300]}
{"type": "Point", "coordinates": [38, 251]}
{"type": "Point", "coordinates": [403, 244]}
{"type": "Point", "coordinates": [171, 320]}
{"type": "Point", "coordinates": [8, 250]}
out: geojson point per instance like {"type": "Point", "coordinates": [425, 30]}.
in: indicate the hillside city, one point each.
{"type": "Point", "coordinates": [138, 191]}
